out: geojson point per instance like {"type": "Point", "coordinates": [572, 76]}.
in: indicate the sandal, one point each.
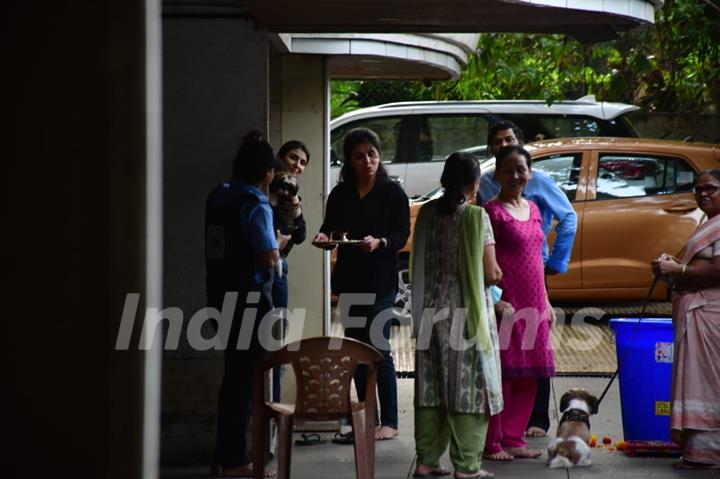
{"type": "Point", "coordinates": [434, 472]}
{"type": "Point", "coordinates": [482, 474]}
{"type": "Point", "coordinates": [309, 440]}
{"type": "Point", "coordinates": [698, 466]}
{"type": "Point", "coordinates": [347, 438]}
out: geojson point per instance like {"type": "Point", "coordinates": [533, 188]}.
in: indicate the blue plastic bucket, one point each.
{"type": "Point", "coordinates": [645, 354]}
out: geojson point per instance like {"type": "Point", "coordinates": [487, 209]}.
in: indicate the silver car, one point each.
{"type": "Point", "coordinates": [417, 137]}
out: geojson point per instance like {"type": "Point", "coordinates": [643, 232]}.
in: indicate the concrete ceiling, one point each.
{"type": "Point", "coordinates": [409, 56]}
{"type": "Point", "coordinates": [586, 20]}
{"type": "Point", "coordinates": [347, 67]}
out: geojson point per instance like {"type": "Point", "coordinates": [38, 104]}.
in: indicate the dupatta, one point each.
{"type": "Point", "coordinates": [470, 266]}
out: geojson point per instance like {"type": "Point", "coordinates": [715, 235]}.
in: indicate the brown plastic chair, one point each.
{"type": "Point", "coordinates": [322, 380]}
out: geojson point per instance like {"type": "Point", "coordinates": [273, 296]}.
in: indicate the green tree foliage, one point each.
{"type": "Point", "coordinates": [672, 66]}
{"type": "Point", "coordinates": [343, 97]}
{"type": "Point", "coordinates": [350, 95]}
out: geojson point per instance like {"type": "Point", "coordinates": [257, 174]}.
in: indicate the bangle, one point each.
{"type": "Point", "coordinates": [682, 273]}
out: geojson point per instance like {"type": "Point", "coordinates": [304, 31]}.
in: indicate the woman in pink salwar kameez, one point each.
{"type": "Point", "coordinates": [695, 418]}
{"type": "Point", "coordinates": [524, 330]}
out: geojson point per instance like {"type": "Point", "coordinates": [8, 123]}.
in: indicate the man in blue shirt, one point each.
{"type": "Point", "coordinates": [553, 205]}
{"type": "Point", "coordinates": [241, 253]}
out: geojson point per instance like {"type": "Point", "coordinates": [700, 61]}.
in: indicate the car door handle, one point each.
{"type": "Point", "coordinates": [681, 208]}
{"type": "Point", "coordinates": [396, 179]}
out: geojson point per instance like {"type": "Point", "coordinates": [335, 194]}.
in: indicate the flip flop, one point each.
{"type": "Point", "coordinates": [697, 466]}
{"type": "Point", "coordinates": [482, 474]}
{"type": "Point", "coordinates": [347, 438]}
{"type": "Point", "coordinates": [437, 472]}
{"type": "Point", "coordinates": [309, 440]}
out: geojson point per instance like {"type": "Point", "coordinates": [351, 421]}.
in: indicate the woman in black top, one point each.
{"type": "Point", "coordinates": [287, 210]}
{"type": "Point", "coordinates": [367, 206]}
{"type": "Point", "coordinates": [289, 223]}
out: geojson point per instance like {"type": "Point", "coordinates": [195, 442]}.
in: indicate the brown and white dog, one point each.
{"type": "Point", "coordinates": [571, 447]}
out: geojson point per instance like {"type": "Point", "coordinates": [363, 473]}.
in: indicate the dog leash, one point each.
{"type": "Point", "coordinates": [622, 360]}
{"type": "Point", "coordinates": [642, 312]}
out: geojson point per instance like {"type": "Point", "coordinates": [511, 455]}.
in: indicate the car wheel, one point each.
{"type": "Point", "coordinates": [401, 310]}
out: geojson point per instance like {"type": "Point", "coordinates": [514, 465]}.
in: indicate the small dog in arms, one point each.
{"type": "Point", "coordinates": [571, 447]}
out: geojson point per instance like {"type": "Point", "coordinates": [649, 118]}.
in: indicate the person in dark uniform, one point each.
{"type": "Point", "coordinates": [241, 255]}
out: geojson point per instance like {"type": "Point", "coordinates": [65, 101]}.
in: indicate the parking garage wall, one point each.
{"type": "Point", "coordinates": [215, 85]}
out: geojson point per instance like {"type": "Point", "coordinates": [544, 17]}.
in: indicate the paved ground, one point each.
{"type": "Point", "coordinates": [394, 459]}
{"type": "Point", "coordinates": [580, 349]}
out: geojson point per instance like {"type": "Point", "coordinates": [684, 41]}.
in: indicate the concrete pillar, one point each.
{"type": "Point", "coordinates": [305, 117]}
{"type": "Point", "coordinates": [215, 82]}
{"type": "Point", "coordinates": [84, 217]}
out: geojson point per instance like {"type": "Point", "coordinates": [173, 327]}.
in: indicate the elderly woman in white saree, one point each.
{"type": "Point", "coordinates": [457, 363]}
{"type": "Point", "coordinates": [695, 417]}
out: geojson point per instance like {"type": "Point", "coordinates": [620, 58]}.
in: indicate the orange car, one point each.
{"type": "Point", "coordinates": [634, 201]}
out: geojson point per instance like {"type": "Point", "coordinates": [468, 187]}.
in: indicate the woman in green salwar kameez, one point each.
{"type": "Point", "coordinates": [457, 363]}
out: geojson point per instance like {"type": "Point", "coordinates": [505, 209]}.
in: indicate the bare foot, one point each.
{"type": "Point", "coordinates": [534, 431]}
{"type": "Point", "coordinates": [524, 452]}
{"type": "Point", "coordinates": [383, 433]}
{"type": "Point", "coordinates": [498, 456]}
{"type": "Point", "coordinates": [677, 436]}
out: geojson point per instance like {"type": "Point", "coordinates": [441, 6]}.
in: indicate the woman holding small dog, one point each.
{"type": "Point", "coordinates": [287, 208]}
{"type": "Point", "coordinates": [288, 221]}
{"type": "Point", "coordinates": [457, 385]}
{"type": "Point", "coordinates": [695, 415]}
{"type": "Point", "coordinates": [524, 309]}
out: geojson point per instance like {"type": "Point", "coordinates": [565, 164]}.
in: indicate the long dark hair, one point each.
{"type": "Point", "coordinates": [461, 170]}
{"type": "Point", "coordinates": [293, 145]}
{"type": "Point", "coordinates": [353, 138]}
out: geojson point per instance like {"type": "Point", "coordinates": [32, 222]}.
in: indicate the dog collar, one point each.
{"type": "Point", "coordinates": [575, 414]}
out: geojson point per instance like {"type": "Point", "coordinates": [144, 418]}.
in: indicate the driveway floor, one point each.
{"type": "Point", "coordinates": [395, 458]}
